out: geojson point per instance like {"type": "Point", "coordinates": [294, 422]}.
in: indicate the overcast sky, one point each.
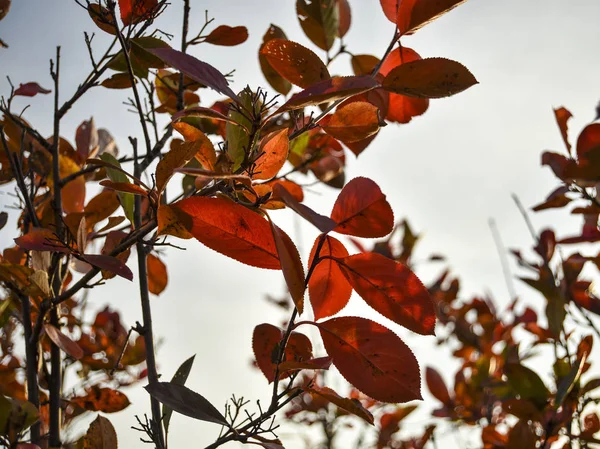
{"type": "Point", "coordinates": [448, 171]}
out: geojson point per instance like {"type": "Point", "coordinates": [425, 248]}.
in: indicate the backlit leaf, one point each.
{"type": "Point", "coordinates": [414, 14]}
{"type": "Point", "coordinates": [328, 288]}
{"type": "Point", "coordinates": [100, 435]}
{"type": "Point", "coordinates": [390, 9]}
{"type": "Point", "coordinates": [295, 63]}
{"type": "Point", "coordinates": [362, 210]}
{"type": "Point", "coordinates": [353, 121]}
{"type": "Point", "coordinates": [185, 401]}
{"type": "Point", "coordinates": [363, 65]}
{"type": "Point", "coordinates": [272, 154]}
{"type": "Point", "coordinates": [278, 83]}
{"type": "Point", "coordinates": [345, 17]}
{"type": "Point", "coordinates": [266, 340]}
{"type": "Point", "coordinates": [115, 175]}
{"type": "Point", "coordinates": [117, 81]}
{"type": "Point", "coordinates": [134, 11]}
{"type": "Point", "coordinates": [102, 17]}
{"type": "Point", "coordinates": [180, 154]}
{"type": "Point", "coordinates": [392, 289]}
{"type": "Point", "coordinates": [372, 358]}
{"type": "Point", "coordinates": [313, 364]}
{"type": "Point", "coordinates": [171, 222]}
{"type": "Point", "coordinates": [99, 399]}
{"type": "Point", "coordinates": [291, 265]}
{"type": "Point", "coordinates": [527, 384]}
{"type": "Point", "coordinates": [319, 20]}
{"type": "Point", "coordinates": [437, 386]}
{"type": "Point", "coordinates": [39, 239]}
{"type": "Point", "coordinates": [63, 342]}
{"type": "Point", "coordinates": [238, 136]}
{"type": "Point", "coordinates": [429, 78]}
{"type": "Point", "coordinates": [197, 70]}
{"type": "Point", "coordinates": [227, 36]}
{"type": "Point", "coordinates": [588, 145]}
{"type": "Point", "coordinates": [230, 229]}
{"type": "Point", "coordinates": [199, 111]}
{"type": "Point", "coordinates": [158, 277]}
{"type": "Point", "coordinates": [350, 405]}
{"type": "Point", "coordinates": [332, 89]}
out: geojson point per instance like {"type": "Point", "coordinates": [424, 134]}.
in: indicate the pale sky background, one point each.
{"type": "Point", "coordinates": [448, 171]}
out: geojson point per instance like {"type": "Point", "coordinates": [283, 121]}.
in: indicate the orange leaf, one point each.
{"type": "Point", "coordinates": [104, 400]}
{"type": "Point", "coordinates": [354, 121]}
{"type": "Point", "coordinates": [429, 78]}
{"type": "Point", "coordinates": [272, 154]}
{"type": "Point", "coordinates": [390, 9]}
{"type": "Point", "coordinates": [230, 229]}
{"type": "Point", "coordinates": [392, 289]}
{"type": "Point", "coordinates": [180, 154]}
{"type": "Point", "coordinates": [39, 239]}
{"type": "Point", "coordinates": [227, 36]}
{"type": "Point", "coordinates": [437, 386]}
{"type": "Point", "coordinates": [266, 339]}
{"type": "Point", "coordinates": [562, 118]}
{"type": "Point", "coordinates": [323, 223]}
{"type": "Point", "coordinates": [414, 14]}
{"type": "Point", "coordinates": [295, 63]}
{"type": "Point", "coordinates": [372, 358]}
{"type": "Point", "coordinates": [102, 18]}
{"type": "Point", "coordinates": [278, 83]}
{"type": "Point", "coordinates": [170, 222]}
{"type": "Point", "coordinates": [158, 277]}
{"type": "Point", "coordinates": [134, 11]}
{"type": "Point", "coordinates": [291, 265]}
{"type": "Point", "coordinates": [361, 210]}
{"type": "Point", "coordinates": [350, 405]}
{"type": "Point", "coordinates": [328, 288]}
{"type": "Point", "coordinates": [63, 342]}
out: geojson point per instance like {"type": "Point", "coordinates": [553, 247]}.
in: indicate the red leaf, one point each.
{"type": "Point", "coordinates": [390, 9]}
{"type": "Point", "coordinates": [392, 289]}
{"type": "Point", "coordinates": [350, 405]}
{"type": "Point", "coordinates": [323, 223]}
{"type": "Point", "coordinates": [429, 78]}
{"type": "Point", "coordinates": [332, 89]}
{"type": "Point", "coordinates": [345, 17]}
{"type": "Point", "coordinates": [265, 344]}
{"type": "Point", "coordinates": [158, 277]}
{"type": "Point", "coordinates": [104, 400]}
{"type": "Point", "coordinates": [227, 36]}
{"type": "Point", "coordinates": [318, 363]}
{"type": "Point", "coordinates": [414, 14]}
{"type": "Point", "coordinates": [272, 154]}
{"type": "Point", "coordinates": [328, 288]}
{"type": "Point", "coordinates": [63, 342]}
{"type": "Point", "coordinates": [372, 358]}
{"type": "Point", "coordinates": [134, 11]}
{"type": "Point", "coordinates": [588, 145]}
{"type": "Point", "coordinates": [230, 229]}
{"type": "Point", "coordinates": [295, 63]}
{"type": "Point", "coordinates": [562, 118]}
{"type": "Point", "coordinates": [291, 265]}
{"type": "Point", "coordinates": [402, 109]}
{"type": "Point", "coordinates": [354, 121]}
{"type": "Point", "coordinates": [39, 239]}
{"type": "Point", "coordinates": [30, 90]}
{"type": "Point", "coordinates": [361, 210]}
{"type": "Point", "coordinates": [197, 70]}
{"type": "Point", "coordinates": [109, 263]}
{"type": "Point", "coordinates": [437, 386]}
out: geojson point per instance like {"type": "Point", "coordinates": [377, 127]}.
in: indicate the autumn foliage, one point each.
{"type": "Point", "coordinates": [84, 206]}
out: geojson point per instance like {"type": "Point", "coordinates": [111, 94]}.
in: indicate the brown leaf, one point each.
{"type": "Point", "coordinates": [99, 399]}
{"type": "Point", "coordinates": [158, 277]}
{"type": "Point", "coordinates": [100, 435]}
{"type": "Point", "coordinates": [227, 36]}
{"type": "Point", "coordinates": [353, 121]}
{"type": "Point", "coordinates": [295, 63]}
{"type": "Point", "coordinates": [63, 342]}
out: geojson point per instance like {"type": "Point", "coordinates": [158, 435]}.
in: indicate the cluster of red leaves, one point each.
{"type": "Point", "coordinates": [231, 155]}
